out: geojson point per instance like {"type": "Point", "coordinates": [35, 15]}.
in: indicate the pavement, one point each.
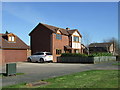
{"type": "Point", "coordinates": [38, 71]}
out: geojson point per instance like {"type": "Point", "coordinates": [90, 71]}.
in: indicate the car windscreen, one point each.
{"type": "Point", "coordinates": [48, 53]}
{"type": "Point", "coordinates": [38, 54]}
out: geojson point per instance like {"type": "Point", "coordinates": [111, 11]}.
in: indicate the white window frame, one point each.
{"type": "Point", "coordinates": [11, 38]}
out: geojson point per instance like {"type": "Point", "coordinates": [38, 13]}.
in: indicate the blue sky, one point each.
{"type": "Point", "coordinates": [96, 21]}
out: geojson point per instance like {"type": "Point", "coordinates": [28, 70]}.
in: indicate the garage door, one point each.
{"type": "Point", "coordinates": [15, 55]}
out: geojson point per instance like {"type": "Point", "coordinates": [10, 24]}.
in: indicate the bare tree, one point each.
{"type": "Point", "coordinates": [86, 40]}
{"type": "Point", "coordinates": [115, 44]}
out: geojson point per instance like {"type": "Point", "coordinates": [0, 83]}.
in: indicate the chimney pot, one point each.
{"type": "Point", "coordinates": [67, 28]}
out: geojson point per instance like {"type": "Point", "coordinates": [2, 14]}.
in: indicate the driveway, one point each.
{"type": "Point", "coordinates": [37, 71]}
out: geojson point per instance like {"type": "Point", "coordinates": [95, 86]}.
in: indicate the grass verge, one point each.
{"type": "Point", "coordinates": [118, 63]}
{"type": "Point", "coordinates": [86, 79]}
{"type": "Point", "coordinates": [3, 75]}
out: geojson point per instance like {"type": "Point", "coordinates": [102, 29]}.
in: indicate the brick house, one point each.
{"type": "Point", "coordinates": [101, 47]}
{"type": "Point", "coordinates": [12, 48]}
{"type": "Point", "coordinates": [55, 40]}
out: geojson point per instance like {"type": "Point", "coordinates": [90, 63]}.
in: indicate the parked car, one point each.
{"type": "Point", "coordinates": [41, 57]}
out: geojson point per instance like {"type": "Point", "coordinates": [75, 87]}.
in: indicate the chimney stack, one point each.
{"type": "Point", "coordinates": [67, 28]}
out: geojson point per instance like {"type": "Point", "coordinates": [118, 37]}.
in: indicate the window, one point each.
{"type": "Point", "coordinates": [48, 53]}
{"type": "Point", "coordinates": [58, 51]}
{"type": "Point", "coordinates": [58, 36]}
{"type": "Point", "coordinates": [11, 38]}
{"type": "Point", "coordinates": [38, 54]}
{"type": "Point", "coordinates": [76, 38]}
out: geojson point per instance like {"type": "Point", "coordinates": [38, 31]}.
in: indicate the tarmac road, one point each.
{"type": "Point", "coordinates": [39, 71]}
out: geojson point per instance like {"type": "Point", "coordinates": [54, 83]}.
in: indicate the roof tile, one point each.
{"type": "Point", "coordinates": [18, 44]}
{"type": "Point", "coordinates": [100, 44]}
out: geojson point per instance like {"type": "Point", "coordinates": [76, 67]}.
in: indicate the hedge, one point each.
{"type": "Point", "coordinates": [85, 55]}
{"type": "Point", "coordinates": [73, 55]}
{"type": "Point", "coordinates": [100, 54]}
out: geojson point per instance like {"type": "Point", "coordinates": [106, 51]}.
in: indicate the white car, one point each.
{"type": "Point", "coordinates": [41, 57]}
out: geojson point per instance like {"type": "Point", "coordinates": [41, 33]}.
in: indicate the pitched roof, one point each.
{"type": "Point", "coordinates": [55, 29]}
{"type": "Point", "coordinates": [100, 44]}
{"type": "Point", "coordinates": [68, 47]}
{"type": "Point", "coordinates": [18, 44]}
{"type": "Point", "coordinates": [72, 31]}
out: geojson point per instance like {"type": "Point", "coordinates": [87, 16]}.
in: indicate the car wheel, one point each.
{"type": "Point", "coordinates": [29, 60]}
{"type": "Point", "coordinates": [51, 61]}
{"type": "Point", "coordinates": [41, 60]}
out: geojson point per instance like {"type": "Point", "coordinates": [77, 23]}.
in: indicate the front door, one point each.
{"type": "Point", "coordinates": [76, 51]}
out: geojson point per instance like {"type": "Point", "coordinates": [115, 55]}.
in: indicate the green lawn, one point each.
{"type": "Point", "coordinates": [118, 63]}
{"type": "Point", "coordinates": [86, 79]}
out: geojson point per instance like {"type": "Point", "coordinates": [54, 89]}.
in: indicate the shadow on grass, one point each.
{"type": "Point", "coordinates": [5, 74]}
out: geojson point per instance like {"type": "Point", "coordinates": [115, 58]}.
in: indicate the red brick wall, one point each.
{"type": "Point", "coordinates": [28, 53]}
{"type": "Point", "coordinates": [58, 44]}
{"type": "Point", "coordinates": [14, 55]}
{"type": "Point", "coordinates": [40, 39]}
{"type": "Point", "coordinates": [1, 58]}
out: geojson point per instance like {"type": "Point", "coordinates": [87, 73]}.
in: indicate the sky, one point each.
{"type": "Point", "coordinates": [96, 21]}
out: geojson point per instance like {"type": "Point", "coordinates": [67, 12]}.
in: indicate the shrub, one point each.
{"type": "Point", "coordinates": [73, 55]}
{"type": "Point", "coordinates": [84, 55]}
{"type": "Point", "coordinates": [100, 54]}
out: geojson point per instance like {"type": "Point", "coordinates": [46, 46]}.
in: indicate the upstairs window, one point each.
{"type": "Point", "coordinates": [76, 39]}
{"type": "Point", "coordinates": [59, 36]}
{"type": "Point", "coordinates": [11, 38]}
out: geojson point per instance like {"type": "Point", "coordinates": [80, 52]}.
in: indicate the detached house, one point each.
{"type": "Point", "coordinates": [101, 47]}
{"type": "Point", "coordinates": [12, 48]}
{"type": "Point", "coordinates": [55, 40]}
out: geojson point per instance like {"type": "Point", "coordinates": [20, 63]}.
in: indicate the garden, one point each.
{"type": "Point", "coordinates": [84, 58]}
